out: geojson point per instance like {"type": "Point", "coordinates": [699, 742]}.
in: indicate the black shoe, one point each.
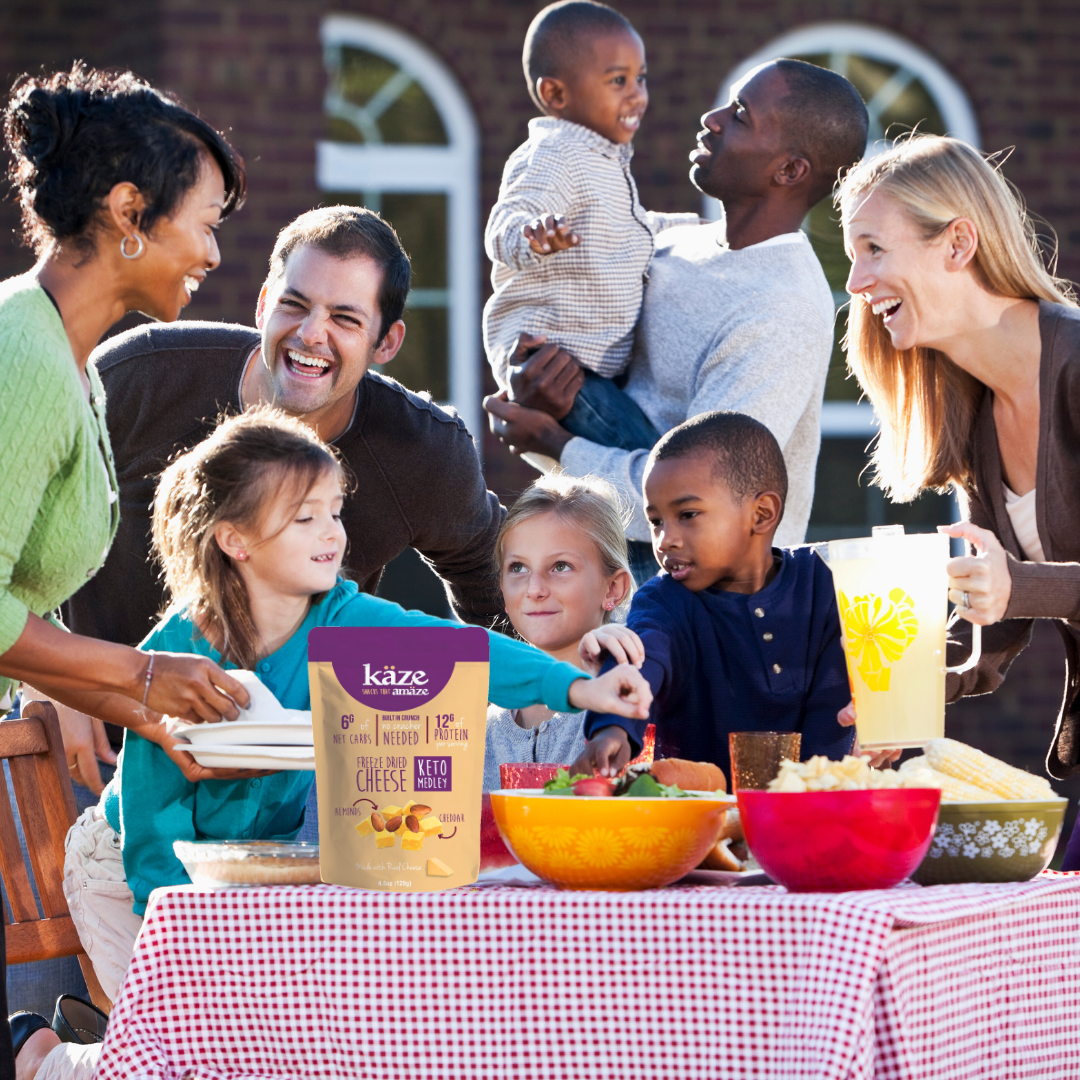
{"type": "Point", "coordinates": [23, 1025]}
{"type": "Point", "coordinates": [77, 1021]}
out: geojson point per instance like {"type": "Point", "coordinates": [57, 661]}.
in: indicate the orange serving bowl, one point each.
{"type": "Point", "coordinates": [833, 841]}
{"type": "Point", "coordinates": [583, 842]}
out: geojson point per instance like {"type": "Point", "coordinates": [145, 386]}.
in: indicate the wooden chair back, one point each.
{"type": "Point", "coordinates": [34, 751]}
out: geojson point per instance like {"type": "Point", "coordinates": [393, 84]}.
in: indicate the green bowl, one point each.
{"type": "Point", "coordinates": [1002, 840]}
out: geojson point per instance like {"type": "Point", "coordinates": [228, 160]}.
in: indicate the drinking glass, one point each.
{"type": "Point", "coordinates": [756, 756]}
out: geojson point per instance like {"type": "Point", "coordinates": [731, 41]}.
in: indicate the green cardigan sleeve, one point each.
{"type": "Point", "coordinates": [35, 432]}
{"type": "Point", "coordinates": [520, 675]}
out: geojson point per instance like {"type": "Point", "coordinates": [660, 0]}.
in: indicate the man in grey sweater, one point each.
{"type": "Point", "coordinates": [737, 314]}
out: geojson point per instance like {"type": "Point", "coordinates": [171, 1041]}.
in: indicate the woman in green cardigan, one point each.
{"type": "Point", "coordinates": [121, 190]}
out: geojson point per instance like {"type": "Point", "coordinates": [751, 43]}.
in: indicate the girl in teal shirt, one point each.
{"type": "Point", "coordinates": [247, 529]}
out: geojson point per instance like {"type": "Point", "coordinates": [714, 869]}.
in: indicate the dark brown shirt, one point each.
{"type": "Point", "coordinates": [418, 478]}
{"type": "Point", "coordinates": [1049, 590]}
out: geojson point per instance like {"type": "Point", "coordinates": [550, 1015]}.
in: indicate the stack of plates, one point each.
{"type": "Point", "coordinates": [267, 735]}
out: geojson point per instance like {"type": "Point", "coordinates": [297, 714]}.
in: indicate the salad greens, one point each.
{"type": "Point", "coordinates": [638, 783]}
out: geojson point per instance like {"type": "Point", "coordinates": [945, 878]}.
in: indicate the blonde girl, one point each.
{"type": "Point", "coordinates": [969, 349]}
{"type": "Point", "coordinates": [562, 561]}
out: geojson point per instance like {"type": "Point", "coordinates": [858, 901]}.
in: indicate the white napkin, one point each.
{"type": "Point", "coordinates": [264, 707]}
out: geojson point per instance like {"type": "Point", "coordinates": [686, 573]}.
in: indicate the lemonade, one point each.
{"type": "Point", "coordinates": [892, 596]}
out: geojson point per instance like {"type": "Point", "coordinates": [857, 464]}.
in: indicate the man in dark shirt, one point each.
{"type": "Point", "coordinates": [328, 317]}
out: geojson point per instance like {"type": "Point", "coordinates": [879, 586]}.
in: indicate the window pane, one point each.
{"type": "Point", "coordinates": [378, 102]}
{"type": "Point", "coordinates": [423, 363]}
{"type": "Point", "coordinates": [413, 119]}
{"type": "Point", "coordinates": [420, 221]}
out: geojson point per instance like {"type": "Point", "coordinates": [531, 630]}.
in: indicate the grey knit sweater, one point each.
{"type": "Point", "coordinates": [748, 330]}
{"type": "Point", "coordinates": [558, 741]}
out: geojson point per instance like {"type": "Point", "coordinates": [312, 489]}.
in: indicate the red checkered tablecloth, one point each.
{"type": "Point", "coordinates": [687, 982]}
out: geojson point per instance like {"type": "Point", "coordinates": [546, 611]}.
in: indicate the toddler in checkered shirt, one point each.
{"type": "Point", "coordinates": [569, 241]}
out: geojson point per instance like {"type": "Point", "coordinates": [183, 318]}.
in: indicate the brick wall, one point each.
{"type": "Point", "coordinates": [254, 68]}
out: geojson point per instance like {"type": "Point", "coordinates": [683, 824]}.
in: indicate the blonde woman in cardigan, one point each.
{"type": "Point", "coordinates": [969, 349]}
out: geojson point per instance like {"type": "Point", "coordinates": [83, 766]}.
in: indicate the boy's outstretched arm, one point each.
{"type": "Point", "coordinates": [605, 753]}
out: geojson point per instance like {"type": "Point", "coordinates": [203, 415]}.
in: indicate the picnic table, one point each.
{"type": "Point", "coordinates": [962, 981]}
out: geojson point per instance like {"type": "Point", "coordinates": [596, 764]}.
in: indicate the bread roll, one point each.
{"type": "Point", "coordinates": [689, 775]}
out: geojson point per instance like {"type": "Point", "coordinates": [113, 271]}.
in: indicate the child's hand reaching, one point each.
{"type": "Point", "coordinates": [623, 644]}
{"type": "Point", "coordinates": [549, 234]}
{"type": "Point", "coordinates": [623, 690]}
{"type": "Point", "coordinates": [878, 758]}
{"type": "Point", "coordinates": [605, 753]}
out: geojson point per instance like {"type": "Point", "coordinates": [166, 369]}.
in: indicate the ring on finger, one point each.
{"type": "Point", "coordinates": [965, 603]}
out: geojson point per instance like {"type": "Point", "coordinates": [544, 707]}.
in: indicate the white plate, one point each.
{"type": "Point", "coordinates": [246, 733]}
{"type": "Point", "coordinates": [278, 758]}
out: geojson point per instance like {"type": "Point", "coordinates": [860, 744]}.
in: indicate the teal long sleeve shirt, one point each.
{"type": "Point", "coordinates": [150, 803]}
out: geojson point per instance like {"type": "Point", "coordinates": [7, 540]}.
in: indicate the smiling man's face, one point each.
{"type": "Point", "coordinates": [320, 323]}
{"type": "Point", "coordinates": [742, 144]}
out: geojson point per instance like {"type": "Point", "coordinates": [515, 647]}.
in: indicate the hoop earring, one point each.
{"type": "Point", "coordinates": [123, 246]}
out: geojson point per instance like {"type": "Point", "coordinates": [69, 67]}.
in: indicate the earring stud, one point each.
{"type": "Point", "coordinates": [609, 605]}
{"type": "Point", "coordinates": [241, 556]}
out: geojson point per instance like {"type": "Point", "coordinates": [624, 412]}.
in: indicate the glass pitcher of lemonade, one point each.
{"type": "Point", "coordinates": [892, 595]}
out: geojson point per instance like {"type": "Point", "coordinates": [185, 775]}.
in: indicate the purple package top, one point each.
{"type": "Point", "coordinates": [396, 668]}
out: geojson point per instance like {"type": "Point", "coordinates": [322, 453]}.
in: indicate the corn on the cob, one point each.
{"type": "Point", "coordinates": [952, 789]}
{"type": "Point", "coordinates": [973, 766]}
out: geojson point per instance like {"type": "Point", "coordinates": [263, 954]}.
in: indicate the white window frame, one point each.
{"type": "Point", "coordinates": [850, 418]}
{"type": "Point", "coordinates": [452, 170]}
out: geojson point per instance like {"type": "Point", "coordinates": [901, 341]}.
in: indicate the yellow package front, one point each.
{"type": "Point", "coordinates": [399, 716]}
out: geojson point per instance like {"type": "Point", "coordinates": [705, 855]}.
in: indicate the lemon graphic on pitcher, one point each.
{"type": "Point", "coordinates": [878, 631]}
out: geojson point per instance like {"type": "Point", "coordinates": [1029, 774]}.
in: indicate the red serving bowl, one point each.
{"type": "Point", "coordinates": [834, 841]}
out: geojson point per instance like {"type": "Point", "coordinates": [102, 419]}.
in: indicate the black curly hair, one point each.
{"type": "Point", "coordinates": [75, 134]}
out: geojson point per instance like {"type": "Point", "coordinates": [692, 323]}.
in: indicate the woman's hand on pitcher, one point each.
{"type": "Point", "coordinates": [979, 585]}
{"type": "Point", "coordinates": [878, 758]}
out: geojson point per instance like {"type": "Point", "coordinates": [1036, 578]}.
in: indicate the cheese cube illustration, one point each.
{"type": "Point", "coordinates": [365, 828]}
{"type": "Point", "coordinates": [412, 841]}
{"type": "Point", "coordinates": [390, 811]}
{"type": "Point", "coordinates": [384, 839]}
{"type": "Point", "coordinates": [437, 868]}
{"type": "Point", "coordinates": [431, 825]}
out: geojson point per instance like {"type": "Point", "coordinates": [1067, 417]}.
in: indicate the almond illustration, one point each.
{"type": "Point", "coordinates": [394, 823]}
{"type": "Point", "coordinates": [420, 810]}
{"type": "Point", "coordinates": [377, 822]}
{"type": "Point", "coordinates": [412, 824]}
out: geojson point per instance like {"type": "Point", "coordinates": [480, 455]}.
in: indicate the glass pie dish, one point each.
{"type": "Point", "coordinates": [217, 864]}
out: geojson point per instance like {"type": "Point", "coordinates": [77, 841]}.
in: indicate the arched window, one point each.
{"type": "Point", "coordinates": [403, 141]}
{"type": "Point", "coordinates": [904, 88]}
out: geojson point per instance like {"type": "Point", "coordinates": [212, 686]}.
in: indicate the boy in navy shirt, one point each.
{"type": "Point", "coordinates": [738, 635]}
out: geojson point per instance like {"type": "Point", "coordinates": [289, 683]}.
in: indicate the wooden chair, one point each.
{"type": "Point", "coordinates": [34, 751]}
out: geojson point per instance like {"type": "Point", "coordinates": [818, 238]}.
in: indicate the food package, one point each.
{"type": "Point", "coordinates": [399, 717]}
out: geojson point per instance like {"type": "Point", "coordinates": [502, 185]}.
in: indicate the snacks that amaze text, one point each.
{"type": "Point", "coordinates": [851, 774]}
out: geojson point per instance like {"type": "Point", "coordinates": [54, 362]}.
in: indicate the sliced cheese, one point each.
{"type": "Point", "coordinates": [437, 868]}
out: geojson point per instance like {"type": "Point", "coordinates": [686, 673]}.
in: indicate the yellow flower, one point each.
{"type": "Point", "coordinates": [599, 847]}
{"type": "Point", "coordinates": [877, 632]}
